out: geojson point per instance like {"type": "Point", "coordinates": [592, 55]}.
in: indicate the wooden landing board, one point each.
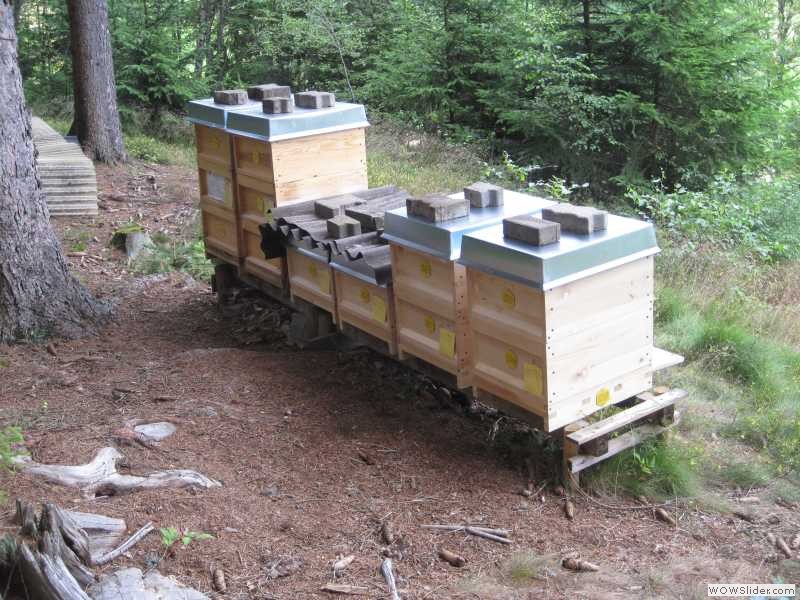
{"type": "Point", "coordinates": [663, 359]}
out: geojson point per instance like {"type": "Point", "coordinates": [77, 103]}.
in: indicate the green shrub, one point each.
{"type": "Point", "coordinates": [167, 256]}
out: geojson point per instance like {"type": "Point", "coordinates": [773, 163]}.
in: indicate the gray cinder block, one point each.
{"type": "Point", "coordinates": [481, 195]}
{"type": "Point", "coordinates": [577, 219]}
{"type": "Point", "coordinates": [437, 208]}
{"type": "Point", "coordinates": [314, 99]}
{"type": "Point", "coordinates": [343, 226]}
{"type": "Point", "coordinates": [327, 208]}
{"type": "Point", "coordinates": [269, 90]}
{"type": "Point", "coordinates": [531, 230]}
{"type": "Point", "coordinates": [230, 97]}
{"type": "Point", "coordinates": [370, 221]}
{"type": "Point", "coordinates": [277, 106]}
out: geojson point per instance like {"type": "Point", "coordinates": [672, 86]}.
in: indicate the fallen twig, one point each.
{"type": "Point", "coordinates": [339, 588]}
{"type": "Point", "coordinates": [124, 547]}
{"type": "Point", "coordinates": [388, 575]}
{"type": "Point", "coordinates": [488, 536]}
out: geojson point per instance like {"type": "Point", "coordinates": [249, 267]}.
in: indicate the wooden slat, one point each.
{"type": "Point", "coordinates": [615, 446]}
{"type": "Point", "coordinates": [663, 359]}
{"type": "Point", "coordinates": [649, 405]}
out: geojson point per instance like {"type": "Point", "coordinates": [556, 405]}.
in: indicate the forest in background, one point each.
{"type": "Point", "coordinates": [613, 93]}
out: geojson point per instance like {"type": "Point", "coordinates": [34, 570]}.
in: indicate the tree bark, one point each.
{"type": "Point", "coordinates": [205, 19]}
{"type": "Point", "coordinates": [96, 117]}
{"type": "Point", "coordinates": [38, 296]}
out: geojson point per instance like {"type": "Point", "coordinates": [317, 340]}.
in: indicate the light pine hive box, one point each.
{"type": "Point", "coordinates": [564, 329]}
{"type": "Point", "coordinates": [217, 180]}
{"type": "Point", "coordinates": [430, 287]}
{"type": "Point", "coordinates": [283, 158]}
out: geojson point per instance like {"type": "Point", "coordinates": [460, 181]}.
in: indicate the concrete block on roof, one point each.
{"type": "Point", "coordinates": [314, 99]}
{"type": "Point", "coordinates": [277, 106]}
{"type": "Point", "coordinates": [343, 226]}
{"type": "Point", "coordinates": [531, 230]}
{"type": "Point", "coordinates": [230, 97]}
{"type": "Point", "coordinates": [269, 90]}
{"type": "Point", "coordinates": [437, 208]}
{"type": "Point", "coordinates": [481, 195]}
{"type": "Point", "coordinates": [370, 221]}
{"type": "Point", "coordinates": [327, 208]}
{"type": "Point", "coordinates": [576, 219]}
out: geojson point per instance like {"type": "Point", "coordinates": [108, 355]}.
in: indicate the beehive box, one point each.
{"type": "Point", "coordinates": [564, 329]}
{"type": "Point", "coordinates": [311, 279]}
{"type": "Point", "coordinates": [430, 287]}
{"type": "Point", "coordinates": [364, 294]}
{"type": "Point", "coordinates": [283, 158]}
{"type": "Point", "coordinates": [217, 181]}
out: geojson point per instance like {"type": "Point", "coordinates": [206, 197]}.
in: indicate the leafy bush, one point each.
{"type": "Point", "coordinates": [760, 217]}
{"type": "Point", "coordinates": [167, 256]}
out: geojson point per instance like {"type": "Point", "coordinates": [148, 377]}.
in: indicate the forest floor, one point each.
{"type": "Point", "coordinates": [316, 450]}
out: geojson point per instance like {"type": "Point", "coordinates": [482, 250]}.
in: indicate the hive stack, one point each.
{"type": "Point", "coordinates": [430, 287]}
{"type": "Point", "coordinates": [281, 148]}
{"type": "Point", "coordinates": [68, 177]}
{"type": "Point", "coordinates": [561, 311]}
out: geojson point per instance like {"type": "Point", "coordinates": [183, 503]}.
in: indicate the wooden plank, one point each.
{"type": "Point", "coordinates": [663, 359]}
{"type": "Point", "coordinates": [319, 187]}
{"type": "Point", "coordinates": [650, 404]}
{"type": "Point", "coordinates": [253, 158]}
{"type": "Point", "coordinates": [616, 445]}
{"type": "Point", "coordinates": [567, 379]}
{"type": "Point", "coordinates": [509, 408]}
{"type": "Point", "coordinates": [424, 281]}
{"type": "Point", "coordinates": [213, 146]}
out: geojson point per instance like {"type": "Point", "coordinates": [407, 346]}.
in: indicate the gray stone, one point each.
{"type": "Point", "coordinates": [314, 99]}
{"type": "Point", "coordinates": [342, 226]}
{"type": "Point", "coordinates": [277, 106]}
{"type": "Point", "coordinates": [576, 219]}
{"type": "Point", "coordinates": [327, 208]}
{"type": "Point", "coordinates": [531, 230]}
{"type": "Point", "coordinates": [230, 97]}
{"type": "Point", "coordinates": [131, 583]}
{"type": "Point", "coordinates": [481, 195]}
{"type": "Point", "coordinates": [269, 90]}
{"type": "Point", "coordinates": [156, 431]}
{"type": "Point", "coordinates": [370, 221]}
{"type": "Point", "coordinates": [437, 208]}
{"type": "Point", "coordinates": [137, 243]}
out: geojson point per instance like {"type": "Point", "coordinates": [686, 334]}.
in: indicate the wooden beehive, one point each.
{"type": "Point", "coordinates": [366, 306]}
{"type": "Point", "coordinates": [430, 287]}
{"type": "Point", "coordinates": [288, 158]}
{"type": "Point", "coordinates": [311, 278]}
{"type": "Point", "coordinates": [563, 330]}
{"type": "Point", "coordinates": [218, 206]}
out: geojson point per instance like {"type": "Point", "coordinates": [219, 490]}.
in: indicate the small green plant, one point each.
{"type": "Point", "coordinates": [171, 536]}
{"type": "Point", "coordinates": [167, 256]}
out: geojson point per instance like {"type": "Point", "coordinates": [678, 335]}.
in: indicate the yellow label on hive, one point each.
{"type": "Point", "coordinates": [509, 299]}
{"type": "Point", "coordinates": [324, 281]}
{"type": "Point", "coordinates": [447, 342]}
{"type": "Point", "coordinates": [312, 270]}
{"type": "Point", "coordinates": [425, 268]}
{"type": "Point", "coordinates": [216, 141]}
{"type": "Point", "coordinates": [602, 397]}
{"type": "Point", "coordinates": [430, 324]}
{"type": "Point", "coordinates": [364, 295]}
{"type": "Point", "coordinates": [511, 359]}
{"type": "Point", "coordinates": [532, 379]}
{"type": "Point", "coordinates": [378, 309]}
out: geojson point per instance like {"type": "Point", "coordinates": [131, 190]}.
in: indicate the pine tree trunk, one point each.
{"type": "Point", "coordinates": [38, 296]}
{"type": "Point", "coordinates": [96, 118]}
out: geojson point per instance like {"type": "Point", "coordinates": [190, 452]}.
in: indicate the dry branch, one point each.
{"type": "Point", "coordinates": [124, 547]}
{"type": "Point", "coordinates": [100, 476]}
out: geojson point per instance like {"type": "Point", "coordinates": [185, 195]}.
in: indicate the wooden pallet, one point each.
{"type": "Point", "coordinates": [586, 445]}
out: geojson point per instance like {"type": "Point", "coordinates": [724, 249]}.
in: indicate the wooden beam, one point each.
{"type": "Point", "coordinates": [615, 446]}
{"type": "Point", "coordinates": [650, 404]}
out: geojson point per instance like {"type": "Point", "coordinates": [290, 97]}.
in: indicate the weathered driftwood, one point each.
{"type": "Point", "coordinates": [487, 535]}
{"type": "Point", "coordinates": [388, 574]}
{"type": "Point", "coordinates": [496, 535]}
{"type": "Point", "coordinates": [339, 588]}
{"type": "Point", "coordinates": [54, 564]}
{"type": "Point", "coordinates": [103, 532]}
{"type": "Point", "coordinates": [100, 476]}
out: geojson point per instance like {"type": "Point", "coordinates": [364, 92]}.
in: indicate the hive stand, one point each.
{"type": "Point", "coordinates": [650, 414]}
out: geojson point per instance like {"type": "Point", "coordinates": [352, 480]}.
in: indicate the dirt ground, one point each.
{"type": "Point", "coordinates": [316, 450]}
